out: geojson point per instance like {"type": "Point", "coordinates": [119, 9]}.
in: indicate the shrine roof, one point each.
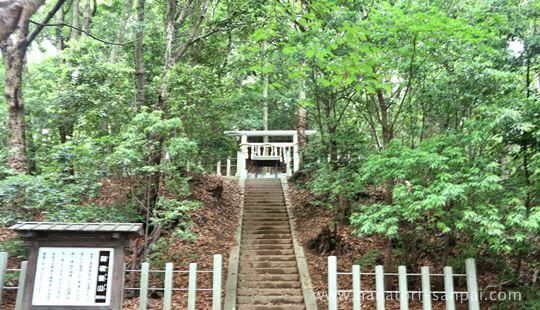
{"type": "Point", "coordinates": [266, 133]}
{"type": "Point", "coordinates": [79, 227]}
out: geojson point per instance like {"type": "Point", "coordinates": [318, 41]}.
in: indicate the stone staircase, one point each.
{"type": "Point", "coordinates": [268, 275]}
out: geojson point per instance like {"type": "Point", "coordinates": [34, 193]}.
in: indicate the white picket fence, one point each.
{"type": "Point", "coordinates": [381, 295]}
{"type": "Point", "coordinates": [143, 286]}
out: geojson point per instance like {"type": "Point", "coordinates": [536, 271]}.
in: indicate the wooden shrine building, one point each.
{"type": "Point", "coordinates": [276, 150]}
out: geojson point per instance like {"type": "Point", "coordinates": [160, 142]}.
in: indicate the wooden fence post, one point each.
{"type": "Point", "coordinates": [403, 289]}
{"type": "Point", "coordinates": [216, 282]}
{"type": "Point", "coordinates": [449, 288]}
{"type": "Point", "coordinates": [332, 283]}
{"type": "Point", "coordinates": [379, 287]}
{"type": "Point", "coordinates": [426, 288]}
{"type": "Point", "coordinates": [143, 292]}
{"type": "Point", "coordinates": [228, 166]}
{"type": "Point", "coordinates": [192, 286]}
{"type": "Point", "coordinates": [3, 267]}
{"type": "Point", "coordinates": [168, 286]}
{"type": "Point", "coordinates": [472, 284]}
{"type": "Point", "coordinates": [20, 289]}
{"type": "Point", "coordinates": [218, 167]}
{"type": "Point", "coordinates": [357, 288]}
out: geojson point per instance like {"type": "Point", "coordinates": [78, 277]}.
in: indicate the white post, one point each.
{"type": "Point", "coordinates": [192, 286]}
{"type": "Point", "coordinates": [168, 286]}
{"type": "Point", "coordinates": [288, 162]}
{"type": "Point", "coordinates": [426, 288]}
{"type": "Point", "coordinates": [143, 293]}
{"type": "Point", "coordinates": [218, 167]}
{"type": "Point", "coordinates": [357, 288]}
{"type": "Point", "coordinates": [379, 287]}
{"type": "Point", "coordinates": [296, 154]}
{"type": "Point", "coordinates": [228, 166]}
{"type": "Point", "coordinates": [332, 283]}
{"type": "Point", "coordinates": [241, 164]}
{"type": "Point", "coordinates": [403, 289]}
{"type": "Point", "coordinates": [472, 284]}
{"type": "Point", "coordinates": [216, 282]}
{"type": "Point", "coordinates": [20, 289]}
{"type": "Point", "coordinates": [3, 267]}
{"type": "Point", "coordinates": [449, 288]}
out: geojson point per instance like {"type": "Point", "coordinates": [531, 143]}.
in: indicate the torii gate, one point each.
{"type": "Point", "coordinates": [284, 152]}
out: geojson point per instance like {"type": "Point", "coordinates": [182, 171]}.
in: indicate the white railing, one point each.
{"type": "Point", "coordinates": [282, 150]}
{"type": "Point", "coordinates": [143, 285]}
{"type": "Point", "coordinates": [425, 294]}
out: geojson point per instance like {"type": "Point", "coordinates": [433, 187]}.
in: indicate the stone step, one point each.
{"type": "Point", "coordinates": [269, 205]}
{"type": "Point", "coordinates": [269, 271]}
{"type": "Point", "coordinates": [269, 281]}
{"type": "Point", "coordinates": [267, 236]}
{"type": "Point", "coordinates": [268, 252]}
{"type": "Point", "coordinates": [270, 300]}
{"type": "Point", "coordinates": [269, 292]}
{"type": "Point", "coordinates": [282, 215]}
{"type": "Point", "coordinates": [265, 196]}
{"type": "Point", "coordinates": [270, 264]}
{"type": "Point", "coordinates": [269, 284]}
{"type": "Point", "coordinates": [271, 307]}
{"type": "Point", "coordinates": [267, 219]}
{"type": "Point", "coordinates": [257, 227]}
{"type": "Point", "coordinates": [249, 231]}
{"type": "Point", "coordinates": [277, 246]}
{"type": "Point", "coordinates": [270, 226]}
{"type": "Point", "coordinates": [268, 258]}
{"type": "Point", "coordinates": [246, 241]}
{"type": "Point", "coordinates": [265, 209]}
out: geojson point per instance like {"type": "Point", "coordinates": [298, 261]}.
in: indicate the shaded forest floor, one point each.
{"type": "Point", "coordinates": [215, 226]}
{"type": "Point", "coordinates": [312, 220]}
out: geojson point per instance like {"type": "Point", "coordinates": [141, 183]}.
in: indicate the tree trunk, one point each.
{"type": "Point", "coordinates": [139, 55]}
{"type": "Point", "coordinates": [75, 21]}
{"type": "Point", "coordinates": [301, 128]}
{"type": "Point", "coordinates": [87, 16]}
{"type": "Point", "coordinates": [121, 31]}
{"type": "Point", "coordinates": [13, 62]}
{"type": "Point", "coordinates": [387, 135]}
{"type": "Point", "coordinates": [60, 44]}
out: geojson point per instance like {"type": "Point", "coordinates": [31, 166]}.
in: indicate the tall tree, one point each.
{"type": "Point", "coordinates": [15, 38]}
{"type": "Point", "coordinates": [140, 72]}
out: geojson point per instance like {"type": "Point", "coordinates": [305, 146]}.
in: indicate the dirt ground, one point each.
{"type": "Point", "coordinates": [310, 220]}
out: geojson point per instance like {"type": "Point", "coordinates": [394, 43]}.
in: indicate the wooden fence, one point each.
{"type": "Point", "coordinates": [425, 295]}
{"type": "Point", "coordinates": [143, 285]}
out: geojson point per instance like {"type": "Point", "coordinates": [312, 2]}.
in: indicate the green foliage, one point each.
{"type": "Point", "coordinates": [171, 213]}
{"type": "Point", "coordinates": [369, 259]}
{"type": "Point", "coordinates": [14, 247]}
{"type": "Point", "coordinates": [95, 213]}
{"type": "Point", "coordinates": [23, 196]}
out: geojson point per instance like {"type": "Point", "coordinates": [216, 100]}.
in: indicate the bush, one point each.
{"type": "Point", "coordinates": [95, 213]}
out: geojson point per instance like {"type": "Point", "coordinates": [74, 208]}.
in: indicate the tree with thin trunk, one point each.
{"type": "Point", "coordinates": [75, 31]}
{"type": "Point", "coordinates": [122, 31]}
{"type": "Point", "coordinates": [140, 71]}
{"type": "Point", "coordinates": [15, 38]}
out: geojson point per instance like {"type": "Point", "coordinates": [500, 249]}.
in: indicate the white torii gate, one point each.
{"type": "Point", "coordinates": [267, 150]}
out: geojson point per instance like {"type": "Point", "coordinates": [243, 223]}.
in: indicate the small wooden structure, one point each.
{"type": "Point", "coordinates": [268, 152]}
{"type": "Point", "coordinates": [75, 265]}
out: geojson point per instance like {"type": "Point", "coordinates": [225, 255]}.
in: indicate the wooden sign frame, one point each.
{"type": "Point", "coordinates": [118, 241]}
